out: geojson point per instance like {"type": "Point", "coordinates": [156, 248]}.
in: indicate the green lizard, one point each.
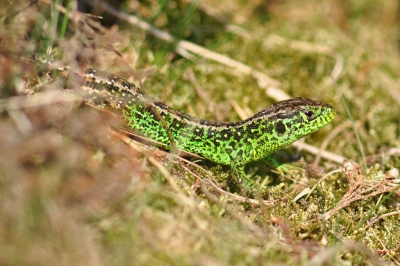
{"type": "Point", "coordinates": [233, 144]}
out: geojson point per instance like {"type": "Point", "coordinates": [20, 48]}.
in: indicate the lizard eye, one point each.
{"type": "Point", "coordinates": [280, 128]}
{"type": "Point", "coordinates": [309, 114]}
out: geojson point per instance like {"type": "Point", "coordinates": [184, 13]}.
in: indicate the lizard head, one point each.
{"type": "Point", "coordinates": [285, 122]}
{"type": "Point", "coordinates": [299, 117]}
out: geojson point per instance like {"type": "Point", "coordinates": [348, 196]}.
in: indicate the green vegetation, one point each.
{"type": "Point", "coordinates": [75, 191]}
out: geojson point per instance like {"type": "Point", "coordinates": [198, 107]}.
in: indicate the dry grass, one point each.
{"type": "Point", "coordinates": [74, 191]}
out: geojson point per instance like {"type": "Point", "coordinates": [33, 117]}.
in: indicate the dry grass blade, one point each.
{"type": "Point", "coordinates": [75, 190]}
{"type": "Point", "coordinates": [263, 80]}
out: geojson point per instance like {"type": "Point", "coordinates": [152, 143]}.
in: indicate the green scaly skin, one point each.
{"type": "Point", "coordinates": [233, 144]}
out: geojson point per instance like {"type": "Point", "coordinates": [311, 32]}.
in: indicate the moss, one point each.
{"type": "Point", "coordinates": [73, 193]}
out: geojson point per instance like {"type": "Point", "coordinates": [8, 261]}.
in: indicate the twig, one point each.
{"type": "Point", "coordinates": [359, 190]}
{"type": "Point", "coordinates": [46, 98]}
{"type": "Point", "coordinates": [327, 140]}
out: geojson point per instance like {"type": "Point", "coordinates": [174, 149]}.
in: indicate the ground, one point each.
{"type": "Point", "coordinates": [76, 191]}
